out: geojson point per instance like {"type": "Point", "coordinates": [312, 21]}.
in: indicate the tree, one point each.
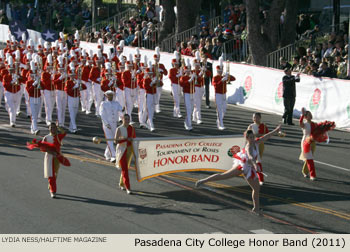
{"type": "Point", "coordinates": [169, 19]}
{"type": "Point", "coordinates": [265, 36]}
{"type": "Point", "coordinates": [187, 12]}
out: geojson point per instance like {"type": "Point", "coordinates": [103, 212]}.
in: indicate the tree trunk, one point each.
{"type": "Point", "coordinates": [266, 38]}
{"type": "Point", "coordinates": [187, 12]}
{"type": "Point", "coordinates": [289, 27]}
{"type": "Point", "coordinates": [169, 19]}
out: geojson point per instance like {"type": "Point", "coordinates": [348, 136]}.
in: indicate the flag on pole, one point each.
{"type": "Point", "coordinates": [17, 29]}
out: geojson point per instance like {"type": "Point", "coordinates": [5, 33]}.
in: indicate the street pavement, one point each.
{"type": "Point", "coordinates": [89, 201]}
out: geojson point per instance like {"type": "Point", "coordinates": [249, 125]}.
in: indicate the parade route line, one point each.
{"type": "Point", "coordinates": [334, 166]}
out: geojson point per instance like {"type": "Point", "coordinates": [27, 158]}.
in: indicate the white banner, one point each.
{"type": "Point", "coordinates": [157, 156]}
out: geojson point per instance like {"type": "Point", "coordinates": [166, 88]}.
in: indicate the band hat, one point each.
{"type": "Point", "coordinates": [109, 92]}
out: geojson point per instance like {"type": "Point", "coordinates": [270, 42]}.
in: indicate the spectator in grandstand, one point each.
{"type": "Point", "coordinates": [325, 71]}
{"type": "Point", "coordinates": [3, 18]}
{"type": "Point", "coordinates": [217, 49]}
{"type": "Point", "coordinates": [295, 63]}
{"type": "Point", "coordinates": [284, 64]}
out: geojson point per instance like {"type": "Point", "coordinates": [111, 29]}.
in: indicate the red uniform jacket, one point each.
{"type": "Point", "coordinates": [59, 84]}
{"type": "Point", "coordinates": [86, 72]}
{"type": "Point", "coordinates": [105, 87]}
{"type": "Point", "coordinates": [220, 86]}
{"type": "Point", "coordinates": [172, 75]}
{"type": "Point", "coordinates": [6, 80]}
{"type": "Point", "coordinates": [199, 82]}
{"type": "Point", "coordinates": [127, 81]}
{"type": "Point", "coordinates": [147, 85]}
{"type": "Point", "coordinates": [32, 91]}
{"type": "Point", "coordinates": [95, 74]}
{"type": "Point", "coordinates": [46, 81]}
{"type": "Point", "coordinates": [139, 78]}
{"type": "Point", "coordinates": [188, 87]}
{"type": "Point", "coordinates": [73, 92]}
{"type": "Point", "coordinates": [120, 83]}
{"type": "Point", "coordinates": [24, 76]}
{"type": "Point", "coordinates": [165, 72]}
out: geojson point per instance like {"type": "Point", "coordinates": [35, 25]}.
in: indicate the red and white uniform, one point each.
{"type": "Point", "coordinates": [174, 76]}
{"type": "Point", "coordinates": [162, 71]}
{"type": "Point", "coordinates": [61, 98]}
{"type": "Point", "coordinates": [35, 102]}
{"type": "Point", "coordinates": [24, 78]}
{"type": "Point", "coordinates": [124, 153]}
{"type": "Point", "coordinates": [187, 85]}
{"type": "Point", "coordinates": [119, 93]}
{"type": "Point", "coordinates": [12, 96]}
{"type": "Point", "coordinates": [49, 95]}
{"type": "Point", "coordinates": [151, 90]}
{"type": "Point", "coordinates": [86, 95]}
{"type": "Point", "coordinates": [73, 93]}
{"type": "Point", "coordinates": [219, 83]}
{"type": "Point", "coordinates": [130, 90]}
{"type": "Point", "coordinates": [95, 77]}
{"type": "Point", "coordinates": [198, 94]}
{"type": "Point", "coordinates": [241, 159]}
{"type": "Point", "coordinates": [142, 114]}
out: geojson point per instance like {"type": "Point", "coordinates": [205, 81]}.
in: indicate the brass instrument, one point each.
{"type": "Point", "coordinates": [157, 74]}
{"type": "Point", "coordinates": [228, 72]}
{"type": "Point", "coordinates": [40, 68]}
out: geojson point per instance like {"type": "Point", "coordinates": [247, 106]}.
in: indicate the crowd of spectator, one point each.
{"type": "Point", "coordinates": [140, 30]}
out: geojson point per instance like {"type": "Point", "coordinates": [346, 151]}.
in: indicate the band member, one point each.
{"type": "Point", "coordinates": [51, 163]}
{"type": "Point", "coordinates": [59, 80]}
{"type": "Point", "coordinates": [73, 93]}
{"type": "Point", "coordinates": [124, 153]}
{"type": "Point", "coordinates": [95, 76]}
{"type": "Point", "coordinates": [18, 67]}
{"type": "Point", "coordinates": [130, 86]}
{"type": "Point", "coordinates": [220, 84]}
{"type": "Point", "coordinates": [86, 97]}
{"type": "Point", "coordinates": [187, 85]}
{"type": "Point", "coordinates": [2, 68]}
{"type": "Point", "coordinates": [33, 89]}
{"type": "Point", "coordinates": [109, 115]}
{"type": "Point", "coordinates": [199, 89]}
{"type": "Point", "coordinates": [312, 133]}
{"type": "Point", "coordinates": [12, 95]}
{"type": "Point", "coordinates": [24, 78]}
{"type": "Point", "coordinates": [149, 85]}
{"type": "Point", "coordinates": [142, 113]}
{"type": "Point", "coordinates": [49, 89]}
{"type": "Point", "coordinates": [158, 70]}
{"type": "Point", "coordinates": [245, 163]}
{"type": "Point", "coordinates": [259, 129]}
{"type": "Point", "coordinates": [119, 94]}
{"type": "Point", "coordinates": [174, 75]}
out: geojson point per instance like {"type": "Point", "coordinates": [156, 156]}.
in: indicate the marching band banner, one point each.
{"type": "Point", "coordinates": [158, 156]}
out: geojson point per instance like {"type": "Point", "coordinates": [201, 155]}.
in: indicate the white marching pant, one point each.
{"type": "Point", "coordinates": [89, 99]}
{"type": "Point", "coordinates": [150, 110]}
{"type": "Point", "coordinates": [221, 105]}
{"type": "Point", "coordinates": [130, 96]}
{"type": "Point", "coordinates": [26, 97]}
{"type": "Point", "coordinates": [73, 107]}
{"type": "Point", "coordinates": [109, 134]}
{"type": "Point", "coordinates": [176, 91]}
{"type": "Point", "coordinates": [83, 99]}
{"type": "Point", "coordinates": [199, 92]}
{"type": "Point", "coordinates": [142, 106]}
{"type": "Point", "coordinates": [120, 97]}
{"type": "Point", "coordinates": [41, 103]}
{"type": "Point", "coordinates": [49, 99]}
{"type": "Point", "coordinates": [157, 98]}
{"type": "Point", "coordinates": [189, 109]}
{"type": "Point", "coordinates": [61, 103]}
{"type": "Point", "coordinates": [136, 98]}
{"type": "Point", "coordinates": [34, 108]}
{"type": "Point", "coordinates": [12, 100]}
{"type": "Point", "coordinates": [21, 92]}
{"type": "Point", "coordinates": [98, 97]}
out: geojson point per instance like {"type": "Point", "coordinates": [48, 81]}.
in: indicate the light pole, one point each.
{"type": "Point", "coordinates": [93, 12]}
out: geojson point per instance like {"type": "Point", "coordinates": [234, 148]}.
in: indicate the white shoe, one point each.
{"type": "Point", "coordinates": [179, 116]}
{"type": "Point", "coordinates": [18, 113]}
{"type": "Point", "coordinates": [37, 132]}
{"type": "Point", "coordinates": [88, 112]}
{"type": "Point", "coordinates": [199, 122]}
{"type": "Point", "coordinates": [221, 128]}
{"type": "Point", "coordinates": [113, 160]}
{"type": "Point", "coordinates": [313, 178]}
{"type": "Point", "coordinates": [128, 191]}
{"type": "Point", "coordinates": [261, 183]}
{"type": "Point", "coordinates": [53, 195]}
{"type": "Point", "coordinates": [12, 125]}
{"type": "Point", "coordinates": [152, 129]}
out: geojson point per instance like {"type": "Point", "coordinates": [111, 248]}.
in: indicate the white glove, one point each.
{"type": "Point", "coordinates": [61, 77]}
{"type": "Point", "coordinates": [110, 83]}
{"type": "Point", "coordinates": [225, 78]}
{"type": "Point", "coordinates": [192, 77]}
{"type": "Point", "coordinates": [160, 70]}
{"type": "Point", "coordinates": [76, 85]}
{"type": "Point", "coordinates": [153, 81]}
{"type": "Point", "coordinates": [138, 71]}
{"type": "Point", "coordinates": [98, 79]}
{"type": "Point", "coordinates": [35, 83]}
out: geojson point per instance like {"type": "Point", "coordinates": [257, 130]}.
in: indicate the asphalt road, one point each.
{"type": "Point", "coordinates": [89, 201]}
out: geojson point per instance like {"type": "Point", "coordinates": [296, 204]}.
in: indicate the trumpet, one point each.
{"type": "Point", "coordinates": [228, 72]}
